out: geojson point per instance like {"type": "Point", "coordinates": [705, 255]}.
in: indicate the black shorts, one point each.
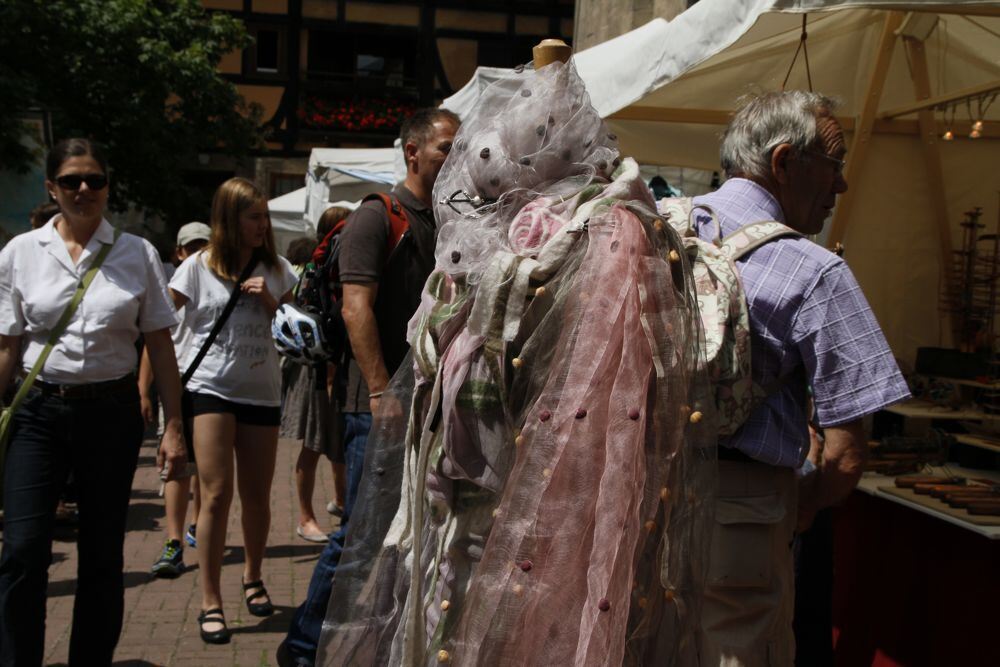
{"type": "Point", "coordinates": [254, 415]}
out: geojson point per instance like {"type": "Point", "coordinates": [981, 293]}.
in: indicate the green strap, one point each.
{"type": "Point", "coordinates": [63, 322]}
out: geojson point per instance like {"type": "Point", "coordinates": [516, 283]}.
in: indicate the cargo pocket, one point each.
{"type": "Point", "coordinates": [741, 541]}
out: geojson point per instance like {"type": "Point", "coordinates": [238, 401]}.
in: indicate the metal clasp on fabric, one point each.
{"type": "Point", "coordinates": [477, 203]}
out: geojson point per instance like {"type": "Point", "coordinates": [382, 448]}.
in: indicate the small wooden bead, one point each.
{"type": "Point", "coordinates": [695, 417]}
{"type": "Point", "coordinates": [444, 656]}
{"type": "Point", "coordinates": [674, 256]}
{"type": "Point", "coordinates": [540, 291]}
{"type": "Point", "coordinates": [516, 362]}
{"type": "Point", "coordinates": [445, 605]}
{"type": "Point", "coordinates": [604, 604]}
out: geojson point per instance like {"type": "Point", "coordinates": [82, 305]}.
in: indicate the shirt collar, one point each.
{"type": "Point", "coordinates": [408, 199]}
{"type": "Point", "coordinates": [54, 245]}
{"type": "Point", "coordinates": [760, 204]}
{"type": "Point", "coordinates": [105, 233]}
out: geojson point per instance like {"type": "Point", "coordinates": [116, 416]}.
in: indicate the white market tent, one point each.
{"type": "Point", "coordinates": [286, 218]}
{"type": "Point", "coordinates": [668, 89]}
{"type": "Point", "coordinates": [336, 177]}
{"type": "Point", "coordinates": [349, 174]}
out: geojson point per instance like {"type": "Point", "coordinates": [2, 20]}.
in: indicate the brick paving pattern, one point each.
{"type": "Point", "coordinates": [160, 625]}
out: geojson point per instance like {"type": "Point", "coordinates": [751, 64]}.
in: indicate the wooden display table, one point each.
{"type": "Point", "coordinates": [882, 486]}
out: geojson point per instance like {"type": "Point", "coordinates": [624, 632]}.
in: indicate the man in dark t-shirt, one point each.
{"type": "Point", "coordinates": [364, 267]}
{"type": "Point", "coordinates": [381, 293]}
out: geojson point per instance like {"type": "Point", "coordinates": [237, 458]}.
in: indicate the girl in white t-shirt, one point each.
{"type": "Point", "coordinates": [235, 391]}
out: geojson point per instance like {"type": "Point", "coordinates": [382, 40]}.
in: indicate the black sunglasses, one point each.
{"type": "Point", "coordinates": [73, 181]}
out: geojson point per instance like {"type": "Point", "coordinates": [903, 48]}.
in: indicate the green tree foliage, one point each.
{"type": "Point", "coordinates": [138, 76]}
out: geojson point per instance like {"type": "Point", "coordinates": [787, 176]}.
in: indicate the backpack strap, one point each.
{"type": "Point", "coordinates": [680, 213]}
{"type": "Point", "coordinates": [750, 237]}
{"type": "Point", "coordinates": [713, 215]}
{"type": "Point", "coordinates": [396, 214]}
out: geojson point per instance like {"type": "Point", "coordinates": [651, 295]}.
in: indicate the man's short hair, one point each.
{"type": "Point", "coordinates": [419, 128]}
{"type": "Point", "coordinates": [763, 122]}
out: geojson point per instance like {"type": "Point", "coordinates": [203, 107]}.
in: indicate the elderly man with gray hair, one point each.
{"type": "Point", "coordinates": [811, 327]}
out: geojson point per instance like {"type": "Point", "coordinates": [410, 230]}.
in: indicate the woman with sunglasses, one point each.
{"type": "Point", "coordinates": [82, 414]}
{"type": "Point", "coordinates": [235, 392]}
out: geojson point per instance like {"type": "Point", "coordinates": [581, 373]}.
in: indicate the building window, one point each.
{"type": "Point", "coordinates": [357, 57]}
{"type": "Point", "coordinates": [329, 53]}
{"type": "Point", "coordinates": [267, 51]}
{"type": "Point", "coordinates": [267, 55]}
{"type": "Point", "coordinates": [282, 183]}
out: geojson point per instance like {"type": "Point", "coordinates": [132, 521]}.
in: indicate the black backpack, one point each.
{"type": "Point", "coordinates": [320, 290]}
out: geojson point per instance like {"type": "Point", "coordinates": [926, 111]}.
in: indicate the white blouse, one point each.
{"type": "Point", "coordinates": [128, 296]}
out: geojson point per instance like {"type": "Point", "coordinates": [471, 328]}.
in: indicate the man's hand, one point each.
{"type": "Point", "coordinates": [171, 457]}
{"type": "Point", "coordinates": [389, 405]}
{"type": "Point", "coordinates": [839, 468]}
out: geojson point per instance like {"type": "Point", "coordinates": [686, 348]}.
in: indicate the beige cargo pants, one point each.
{"type": "Point", "coordinates": [750, 585]}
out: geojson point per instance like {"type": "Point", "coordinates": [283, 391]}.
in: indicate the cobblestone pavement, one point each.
{"type": "Point", "coordinates": [160, 625]}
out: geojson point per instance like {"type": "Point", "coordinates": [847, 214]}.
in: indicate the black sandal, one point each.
{"type": "Point", "coordinates": [213, 616]}
{"type": "Point", "coordinates": [264, 608]}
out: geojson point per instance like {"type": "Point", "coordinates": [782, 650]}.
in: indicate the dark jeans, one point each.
{"type": "Point", "coordinates": [813, 622]}
{"type": "Point", "coordinates": [303, 635]}
{"type": "Point", "coordinates": [98, 441]}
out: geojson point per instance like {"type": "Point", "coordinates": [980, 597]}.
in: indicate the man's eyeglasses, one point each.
{"type": "Point", "coordinates": [838, 163]}
{"type": "Point", "coordinates": [73, 181]}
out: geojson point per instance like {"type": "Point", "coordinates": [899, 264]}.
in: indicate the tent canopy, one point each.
{"type": "Point", "coordinates": [349, 174]}
{"type": "Point", "coordinates": [286, 218]}
{"type": "Point", "coordinates": [903, 71]}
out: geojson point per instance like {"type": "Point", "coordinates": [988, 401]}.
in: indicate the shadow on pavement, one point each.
{"type": "Point", "coordinates": [235, 554]}
{"type": "Point", "coordinates": [277, 622]}
{"type": "Point", "coordinates": [144, 516]}
{"type": "Point", "coordinates": [68, 586]}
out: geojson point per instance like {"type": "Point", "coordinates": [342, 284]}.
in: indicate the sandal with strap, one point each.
{"type": "Point", "coordinates": [213, 616]}
{"type": "Point", "coordinates": [264, 608]}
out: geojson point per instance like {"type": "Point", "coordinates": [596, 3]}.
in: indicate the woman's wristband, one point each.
{"type": "Point", "coordinates": [376, 394]}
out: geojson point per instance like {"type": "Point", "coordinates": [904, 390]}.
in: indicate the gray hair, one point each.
{"type": "Point", "coordinates": [763, 122]}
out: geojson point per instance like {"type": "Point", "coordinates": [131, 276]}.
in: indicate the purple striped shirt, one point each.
{"type": "Point", "coordinates": [806, 312]}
